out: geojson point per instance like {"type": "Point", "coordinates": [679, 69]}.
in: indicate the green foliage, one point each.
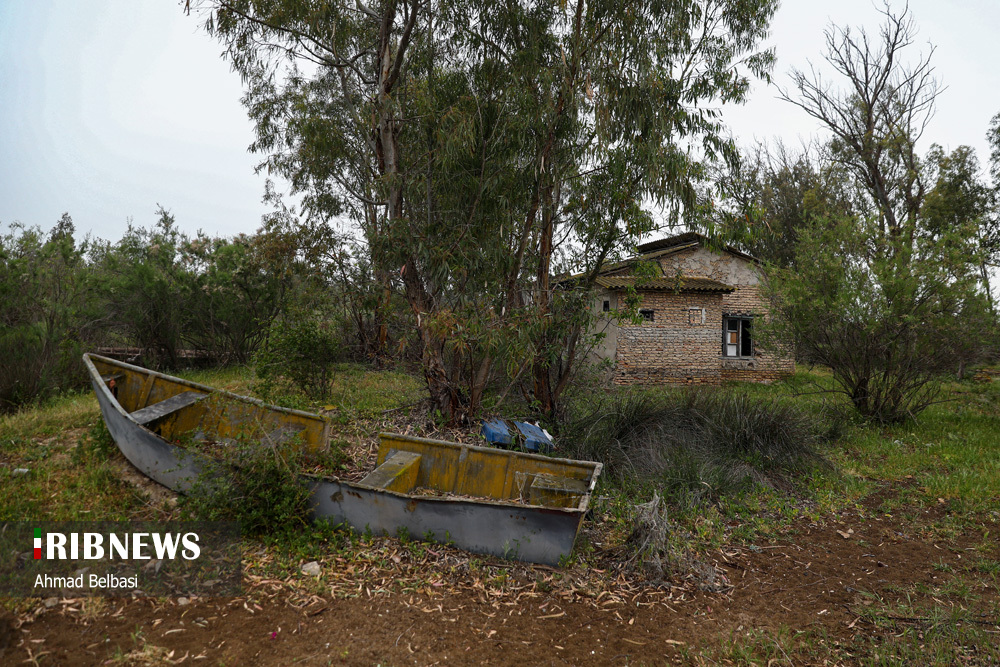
{"type": "Point", "coordinates": [147, 288]}
{"type": "Point", "coordinates": [24, 370]}
{"type": "Point", "coordinates": [239, 287]}
{"type": "Point", "coordinates": [165, 291]}
{"type": "Point", "coordinates": [882, 267]}
{"type": "Point", "coordinates": [154, 289]}
{"type": "Point", "coordinates": [774, 193]}
{"type": "Point", "coordinates": [960, 204]}
{"type": "Point", "coordinates": [96, 446]}
{"type": "Point", "coordinates": [254, 484]}
{"type": "Point", "coordinates": [299, 356]}
{"type": "Point", "coordinates": [501, 146]}
{"type": "Point", "coordinates": [885, 316]}
{"type": "Point", "coordinates": [48, 311]}
{"type": "Point", "coordinates": [695, 446]}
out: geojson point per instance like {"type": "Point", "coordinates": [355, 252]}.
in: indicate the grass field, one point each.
{"type": "Point", "coordinates": [931, 485]}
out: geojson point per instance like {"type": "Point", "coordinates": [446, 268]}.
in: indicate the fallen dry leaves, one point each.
{"type": "Point", "coordinates": [422, 574]}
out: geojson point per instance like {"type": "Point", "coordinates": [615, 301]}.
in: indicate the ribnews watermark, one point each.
{"type": "Point", "coordinates": [78, 558]}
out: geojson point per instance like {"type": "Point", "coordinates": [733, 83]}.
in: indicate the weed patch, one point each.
{"type": "Point", "coordinates": [696, 446]}
{"type": "Point", "coordinates": [661, 549]}
{"type": "Point", "coordinates": [95, 446]}
{"type": "Point", "coordinates": [255, 485]}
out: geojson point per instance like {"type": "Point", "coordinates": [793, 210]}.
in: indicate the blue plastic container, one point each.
{"type": "Point", "coordinates": [513, 434]}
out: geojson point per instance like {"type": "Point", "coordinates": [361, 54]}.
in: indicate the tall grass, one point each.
{"type": "Point", "coordinates": [696, 445]}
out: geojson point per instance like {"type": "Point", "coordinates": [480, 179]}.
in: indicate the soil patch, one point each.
{"type": "Point", "coordinates": [8, 634]}
{"type": "Point", "coordinates": [821, 578]}
{"type": "Point", "coordinates": [159, 495]}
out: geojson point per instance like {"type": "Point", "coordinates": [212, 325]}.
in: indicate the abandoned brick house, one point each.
{"type": "Point", "coordinates": [698, 317]}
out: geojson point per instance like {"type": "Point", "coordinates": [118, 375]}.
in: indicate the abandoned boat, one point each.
{"type": "Point", "coordinates": [505, 503]}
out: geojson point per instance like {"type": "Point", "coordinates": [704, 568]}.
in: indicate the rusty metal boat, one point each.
{"type": "Point", "coordinates": [504, 503]}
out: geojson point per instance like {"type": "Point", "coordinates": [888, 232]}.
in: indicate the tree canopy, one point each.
{"type": "Point", "coordinates": [472, 142]}
{"type": "Point", "coordinates": [892, 291]}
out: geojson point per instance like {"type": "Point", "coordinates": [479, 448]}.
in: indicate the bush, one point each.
{"type": "Point", "coordinates": [47, 311]}
{"type": "Point", "coordinates": [256, 485]}
{"type": "Point", "coordinates": [165, 292]}
{"type": "Point", "coordinates": [299, 356]}
{"type": "Point", "coordinates": [23, 375]}
{"type": "Point", "coordinates": [888, 316]}
{"type": "Point", "coordinates": [696, 445]}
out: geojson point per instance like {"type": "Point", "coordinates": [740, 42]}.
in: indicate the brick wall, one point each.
{"type": "Point", "coordinates": [766, 365]}
{"type": "Point", "coordinates": [672, 350]}
{"type": "Point", "coordinates": [681, 344]}
{"type": "Point", "coordinates": [748, 299]}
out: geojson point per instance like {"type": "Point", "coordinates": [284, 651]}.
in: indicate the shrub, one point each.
{"type": "Point", "coordinates": [695, 445]}
{"type": "Point", "coordinates": [148, 290]}
{"type": "Point", "coordinates": [23, 373]}
{"type": "Point", "coordinates": [47, 311]}
{"type": "Point", "coordinates": [256, 485]}
{"type": "Point", "coordinates": [659, 549]}
{"type": "Point", "coordinates": [888, 316]}
{"type": "Point", "coordinates": [299, 355]}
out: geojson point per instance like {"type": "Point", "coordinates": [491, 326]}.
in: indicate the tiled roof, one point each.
{"type": "Point", "coordinates": [679, 239]}
{"type": "Point", "coordinates": [686, 240]}
{"type": "Point", "coordinates": [661, 248]}
{"type": "Point", "coordinates": [674, 284]}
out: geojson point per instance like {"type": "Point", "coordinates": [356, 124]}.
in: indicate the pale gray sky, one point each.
{"type": "Point", "coordinates": [963, 33]}
{"type": "Point", "coordinates": [108, 107]}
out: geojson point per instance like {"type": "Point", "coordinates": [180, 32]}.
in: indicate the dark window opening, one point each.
{"type": "Point", "coordinates": [737, 337]}
{"type": "Point", "coordinates": [646, 315]}
{"type": "Point", "coordinates": [607, 305]}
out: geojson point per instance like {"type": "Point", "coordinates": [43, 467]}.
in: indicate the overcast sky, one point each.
{"type": "Point", "coordinates": [108, 107]}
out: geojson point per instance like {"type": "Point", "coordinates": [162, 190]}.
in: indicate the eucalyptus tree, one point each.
{"type": "Point", "coordinates": [620, 113]}
{"type": "Point", "coordinates": [476, 143]}
{"type": "Point", "coordinates": [961, 204]}
{"type": "Point", "coordinates": [991, 231]}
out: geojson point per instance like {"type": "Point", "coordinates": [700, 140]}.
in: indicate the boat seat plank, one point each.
{"type": "Point", "coordinates": [397, 473]}
{"type": "Point", "coordinates": [156, 411]}
{"type": "Point", "coordinates": [556, 490]}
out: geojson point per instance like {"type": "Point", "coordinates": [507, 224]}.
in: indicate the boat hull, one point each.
{"type": "Point", "coordinates": [519, 532]}
{"type": "Point", "coordinates": [502, 525]}
{"type": "Point", "coordinates": [170, 465]}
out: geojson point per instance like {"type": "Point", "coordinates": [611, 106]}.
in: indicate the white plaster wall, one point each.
{"type": "Point", "coordinates": [702, 263]}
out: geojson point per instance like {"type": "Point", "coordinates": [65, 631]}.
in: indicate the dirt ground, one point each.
{"type": "Point", "coordinates": [820, 577]}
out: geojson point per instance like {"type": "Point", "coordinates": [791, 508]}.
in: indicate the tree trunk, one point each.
{"type": "Point", "coordinates": [986, 286]}
{"type": "Point", "coordinates": [543, 304]}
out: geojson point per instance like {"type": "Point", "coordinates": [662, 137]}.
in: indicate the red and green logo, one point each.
{"type": "Point", "coordinates": [38, 543]}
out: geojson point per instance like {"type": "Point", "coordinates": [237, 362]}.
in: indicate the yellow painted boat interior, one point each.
{"type": "Point", "coordinates": [406, 464]}
{"type": "Point", "coordinates": [220, 415]}
{"type": "Point", "coordinates": [184, 411]}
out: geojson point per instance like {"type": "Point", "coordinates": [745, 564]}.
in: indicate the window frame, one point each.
{"type": "Point", "coordinates": [740, 352]}
{"type": "Point", "coordinates": [647, 314]}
